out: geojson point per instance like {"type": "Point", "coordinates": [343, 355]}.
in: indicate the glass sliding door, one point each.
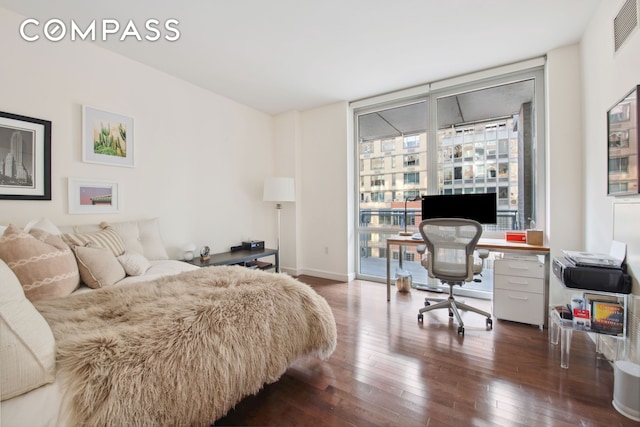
{"type": "Point", "coordinates": [480, 137]}
{"type": "Point", "coordinates": [392, 168]}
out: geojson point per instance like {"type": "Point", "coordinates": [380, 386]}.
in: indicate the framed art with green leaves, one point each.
{"type": "Point", "coordinates": [107, 138]}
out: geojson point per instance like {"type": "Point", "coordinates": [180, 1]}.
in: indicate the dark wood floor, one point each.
{"type": "Point", "coordinates": [389, 370]}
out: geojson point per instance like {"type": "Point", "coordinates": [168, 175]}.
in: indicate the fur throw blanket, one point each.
{"type": "Point", "coordinates": [183, 349]}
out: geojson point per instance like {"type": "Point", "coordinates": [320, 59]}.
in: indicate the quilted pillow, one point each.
{"type": "Point", "coordinates": [142, 236]}
{"type": "Point", "coordinates": [107, 238]}
{"type": "Point", "coordinates": [43, 263]}
{"type": "Point", "coordinates": [28, 348]}
{"type": "Point", "coordinates": [134, 264]}
{"type": "Point", "coordinates": [98, 266]}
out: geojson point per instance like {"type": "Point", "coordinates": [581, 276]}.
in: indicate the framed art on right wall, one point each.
{"type": "Point", "coordinates": [623, 146]}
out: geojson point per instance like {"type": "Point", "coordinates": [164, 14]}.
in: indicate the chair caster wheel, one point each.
{"type": "Point", "coordinates": [489, 323]}
{"type": "Point", "coordinates": [427, 303]}
{"type": "Point", "coordinates": [460, 330]}
{"type": "Point", "coordinates": [420, 317]}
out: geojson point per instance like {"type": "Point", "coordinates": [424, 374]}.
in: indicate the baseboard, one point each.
{"type": "Point", "coordinates": [329, 275]}
{"type": "Point", "coordinates": [290, 271]}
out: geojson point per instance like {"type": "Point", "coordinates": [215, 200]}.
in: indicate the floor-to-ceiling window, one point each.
{"type": "Point", "coordinates": [483, 136]}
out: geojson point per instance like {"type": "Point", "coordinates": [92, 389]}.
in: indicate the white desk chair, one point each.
{"type": "Point", "coordinates": [450, 245]}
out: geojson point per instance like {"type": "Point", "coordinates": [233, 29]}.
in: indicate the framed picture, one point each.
{"type": "Point", "coordinates": [93, 196]}
{"type": "Point", "coordinates": [107, 138]}
{"type": "Point", "coordinates": [25, 158]}
{"type": "Point", "coordinates": [623, 145]}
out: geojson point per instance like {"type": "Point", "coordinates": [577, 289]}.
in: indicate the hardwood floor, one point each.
{"type": "Point", "coordinates": [389, 370]}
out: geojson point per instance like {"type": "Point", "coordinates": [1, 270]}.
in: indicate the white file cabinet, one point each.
{"type": "Point", "coordinates": [519, 290]}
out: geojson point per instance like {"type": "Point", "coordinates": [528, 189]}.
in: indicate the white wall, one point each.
{"type": "Point", "coordinates": [288, 164]}
{"type": "Point", "coordinates": [608, 76]}
{"type": "Point", "coordinates": [564, 157]}
{"type": "Point", "coordinates": [326, 248]}
{"type": "Point", "coordinates": [200, 158]}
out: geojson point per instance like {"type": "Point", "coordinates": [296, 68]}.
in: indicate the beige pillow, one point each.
{"type": "Point", "coordinates": [107, 238]}
{"type": "Point", "coordinates": [28, 348]}
{"type": "Point", "coordinates": [134, 264]}
{"type": "Point", "coordinates": [98, 266]}
{"type": "Point", "coordinates": [43, 263]}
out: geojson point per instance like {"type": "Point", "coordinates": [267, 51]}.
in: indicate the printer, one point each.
{"type": "Point", "coordinates": [604, 277]}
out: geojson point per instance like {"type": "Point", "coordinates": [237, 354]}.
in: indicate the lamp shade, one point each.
{"type": "Point", "coordinates": [279, 190]}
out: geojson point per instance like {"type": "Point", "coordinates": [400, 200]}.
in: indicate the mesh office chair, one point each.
{"type": "Point", "coordinates": [450, 244]}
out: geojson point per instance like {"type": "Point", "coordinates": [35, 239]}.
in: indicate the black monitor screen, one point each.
{"type": "Point", "coordinates": [478, 206]}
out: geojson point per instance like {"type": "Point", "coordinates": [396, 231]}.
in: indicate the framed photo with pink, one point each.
{"type": "Point", "coordinates": [88, 196]}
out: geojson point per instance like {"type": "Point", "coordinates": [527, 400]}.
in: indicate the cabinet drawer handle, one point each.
{"type": "Point", "coordinates": [519, 298]}
{"type": "Point", "coordinates": [513, 282]}
{"type": "Point", "coordinates": [517, 267]}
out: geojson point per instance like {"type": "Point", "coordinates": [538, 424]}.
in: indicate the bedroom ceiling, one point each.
{"type": "Point", "coordinates": [282, 55]}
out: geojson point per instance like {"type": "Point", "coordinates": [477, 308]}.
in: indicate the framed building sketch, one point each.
{"type": "Point", "coordinates": [25, 158]}
{"type": "Point", "coordinates": [623, 145]}
{"type": "Point", "coordinates": [87, 196]}
{"type": "Point", "coordinates": [107, 138]}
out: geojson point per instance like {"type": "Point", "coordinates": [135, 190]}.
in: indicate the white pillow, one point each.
{"type": "Point", "coordinates": [28, 348]}
{"type": "Point", "coordinates": [43, 224]}
{"type": "Point", "coordinates": [134, 264]}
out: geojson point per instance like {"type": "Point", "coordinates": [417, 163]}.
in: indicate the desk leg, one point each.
{"type": "Point", "coordinates": [277, 255]}
{"type": "Point", "coordinates": [388, 271]}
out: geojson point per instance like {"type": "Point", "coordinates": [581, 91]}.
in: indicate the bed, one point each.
{"type": "Point", "coordinates": [178, 349]}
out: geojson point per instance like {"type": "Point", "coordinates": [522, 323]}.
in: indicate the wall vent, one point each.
{"type": "Point", "coordinates": [625, 22]}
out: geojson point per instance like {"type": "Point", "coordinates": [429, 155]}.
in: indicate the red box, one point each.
{"type": "Point", "coordinates": [581, 319]}
{"type": "Point", "coordinates": [516, 236]}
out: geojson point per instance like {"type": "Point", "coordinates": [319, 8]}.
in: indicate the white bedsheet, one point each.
{"type": "Point", "coordinates": [42, 407]}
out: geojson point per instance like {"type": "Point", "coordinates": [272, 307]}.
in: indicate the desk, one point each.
{"type": "Point", "coordinates": [496, 245]}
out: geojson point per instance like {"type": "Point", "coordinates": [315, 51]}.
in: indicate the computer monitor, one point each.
{"type": "Point", "coordinates": [481, 207]}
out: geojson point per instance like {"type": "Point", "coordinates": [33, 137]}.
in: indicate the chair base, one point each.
{"type": "Point", "coordinates": [453, 306]}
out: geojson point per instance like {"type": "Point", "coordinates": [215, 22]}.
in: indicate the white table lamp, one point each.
{"type": "Point", "coordinates": [279, 190]}
{"type": "Point", "coordinates": [188, 251]}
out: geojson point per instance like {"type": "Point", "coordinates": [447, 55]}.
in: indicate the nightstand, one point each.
{"type": "Point", "coordinates": [247, 258]}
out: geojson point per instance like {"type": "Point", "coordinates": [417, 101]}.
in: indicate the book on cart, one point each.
{"type": "Point", "coordinates": [607, 317]}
